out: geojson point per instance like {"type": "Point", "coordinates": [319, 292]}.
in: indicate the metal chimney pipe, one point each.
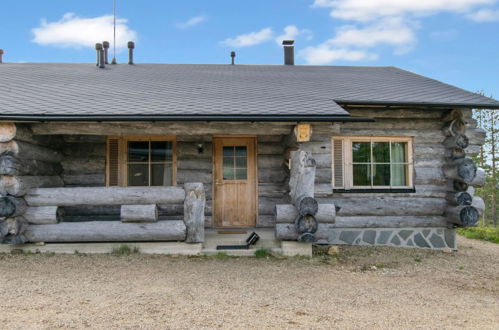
{"type": "Point", "coordinates": [98, 48]}
{"type": "Point", "coordinates": [1, 56]}
{"type": "Point", "coordinates": [105, 44]}
{"type": "Point", "coordinates": [289, 52]}
{"type": "Point", "coordinates": [233, 55]}
{"type": "Point", "coordinates": [131, 46]}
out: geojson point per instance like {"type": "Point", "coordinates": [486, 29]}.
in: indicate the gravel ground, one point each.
{"type": "Point", "coordinates": [360, 288]}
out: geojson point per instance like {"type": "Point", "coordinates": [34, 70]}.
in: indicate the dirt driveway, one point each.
{"type": "Point", "coordinates": [361, 288]}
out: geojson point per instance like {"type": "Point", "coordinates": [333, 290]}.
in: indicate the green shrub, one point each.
{"type": "Point", "coordinates": [489, 234]}
{"type": "Point", "coordinates": [125, 250]}
{"type": "Point", "coordinates": [262, 253]}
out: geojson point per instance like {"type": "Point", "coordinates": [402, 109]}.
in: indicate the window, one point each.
{"type": "Point", "coordinates": [372, 163]}
{"type": "Point", "coordinates": [235, 163]}
{"type": "Point", "coordinates": [141, 161]}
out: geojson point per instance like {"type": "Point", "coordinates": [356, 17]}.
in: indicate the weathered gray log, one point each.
{"type": "Point", "coordinates": [306, 224]}
{"type": "Point", "coordinates": [7, 131]}
{"type": "Point", "coordinates": [25, 150]}
{"type": "Point", "coordinates": [302, 176]}
{"type": "Point", "coordinates": [139, 213]}
{"type": "Point", "coordinates": [389, 221]}
{"type": "Point", "coordinates": [459, 198]}
{"type": "Point", "coordinates": [480, 178]}
{"type": "Point", "coordinates": [395, 113]}
{"type": "Point", "coordinates": [463, 170]}
{"type": "Point", "coordinates": [43, 215]}
{"type": "Point", "coordinates": [104, 196]}
{"type": "Point", "coordinates": [10, 165]}
{"type": "Point", "coordinates": [455, 153]}
{"type": "Point", "coordinates": [455, 185]}
{"type": "Point", "coordinates": [287, 213]}
{"type": "Point", "coordinates": [390, 206]}
{"type": "Point", "coordinates": [19, 185]}
{"type": "Point", "coordinates": [13, 226]}
{"type": "Point", "coordinates": [463, 215]}
{"type": "Point", "coordinates": [306, 205]}
{"type": "Point", "coordinates": [288, 232]}
{"type": "Point", "coordinates": [107, 231]}
{"type": "Point", "coordinates": [454, 127]}
{"type": "Point", "coordinates": [175, 128]}
{"type": "Point", "coordinates": [460, 141]}
{"type": "Point", "coordinates": [194, 208]}
{"type": "Point", "coordinates": [12, 206]}
{"type": "Point", "coordinates": [479, 205]}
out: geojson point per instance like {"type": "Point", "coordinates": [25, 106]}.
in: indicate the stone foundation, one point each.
{"type": "Point", "coordinates": [430, 238]}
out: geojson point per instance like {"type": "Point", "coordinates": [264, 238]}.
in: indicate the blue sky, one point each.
{"type": "Point", "coordinates": [456, 41]}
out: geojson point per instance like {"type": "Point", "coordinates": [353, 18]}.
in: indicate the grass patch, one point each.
{"type": "Point", "coordinates": [263, 253]}
{"type": "Point", "coordinates": [125, 250]}
{"type": "Point", "coordinates": [489, 234]}
{"type": "Point", "coordinates": [418, 259]}
{"type": "Point", "coordinates": [221, 255]}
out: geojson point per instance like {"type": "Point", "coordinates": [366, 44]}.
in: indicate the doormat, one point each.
{"type": "Point", "coordinates": [234, 232]}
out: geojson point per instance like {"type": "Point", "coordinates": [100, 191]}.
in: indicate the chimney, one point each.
{"type": "Point", "coordinates": [1, 55]}
{"type": "Point", "coordinates": [105, 44]}
{"type": "Point", "coordinates": [233, 55]}
{"type": "Point", "coordinates": [100, 55]}
{"type": "Point", "coordinates": [289, 52]}
{"type": "Point", "coordinates": [131, 46]}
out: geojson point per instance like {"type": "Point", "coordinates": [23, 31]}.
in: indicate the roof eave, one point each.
{"type": "Point", "coordinates": [492, 106]}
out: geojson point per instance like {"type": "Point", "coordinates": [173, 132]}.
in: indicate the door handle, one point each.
{"type": "Point", "coordinates": [218, 182]}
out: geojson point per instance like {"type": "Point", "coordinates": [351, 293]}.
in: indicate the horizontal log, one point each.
{"type": "Point", "coordinates": [272, 175]}
{"type": "Point", "coordinates": [174, 128]}
{"type": "Point", "coordinates": [460, 141]}
{"type": "Point", "coordinates": [429, 175]}
{"type": "Point", "coordinates": [194, 149]}
{"type": "Point", "coordinates": [84, 180]}
{"type": "Point", "coordinates": [12, 227]}
{"type": "Point", "coordinates": [266, 205]}
{"type": "Point", "coordinates": [462, 215]}
{"type": "Point", "coordinates": [270, 161]}
{"type": "Point", "coordinates": [322, 147]}
{"type": "Point", "coordinates": [87, 139]}
{"type": "Point", "coordinates": [396, 113]}
{"type": "Point", "coordinates": [10, 165]}
{"type": "Point", "coordinates": [7, 131]}
{"type": "Point", "coordinates": [84, 150]}
{"type": "Point", "coordinates": [480, 178]}
{"type": "Point", "coordinates": [139, 213]}
{"type": "Point", "coordinates": [463, 170]}
{"type": "Point", "coordinates": [185, 176]}
{"type": "Point", "coordinates": [272, 190]}
{"type": "Point", "coordinates": [25, 150]}
{"type": "Point", "coordinates": [82, 166]}
{"type": "Point", "coordinates": [195, 163]}
{"type": "Point", "coordinates": [107, 231]}
{"type": "Point", "coordinates": [287, 213]}
{"type": "Point", "coordinates": [479, 205]}
{"type": "Point", "coordinates": [420, 135]}
{"type": "Point", "coordinates": [265, 221]}
{"type": "Point", "coordinates": [389, 123]}
{"type": "Point", "coordinates": [43, 215]}
{"type": "Point", "coordinates": [389, 221]}
{"type": "Point", "coordinates": [325, 128]}
{"type": "Point", "coordinates": [270, 148]}
{"type": "Point", "coordinates": [459, 198]}
{"type": "Point", "coordinates": [269, 138]}
{"type": "Point", "coordinates": [393, 206]}
{"type": "Point", "coordinates": [12, 206]}
{"type": "Point", "coordinates": [456, 126]}
{"type": "Point", "coordinates": [430, 190]}
{"type": "Point", "coordinates": [19, 185]}
{"type": "Point", "coordinates": [288, 232]}
{"type": "Point", "coordinates": [104, 196]}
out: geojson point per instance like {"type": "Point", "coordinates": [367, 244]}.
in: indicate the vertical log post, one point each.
{"type": "Point", "coordinates": [194, 204]}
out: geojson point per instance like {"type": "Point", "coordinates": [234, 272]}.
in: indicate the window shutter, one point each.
{"type": "Point", "coordinates": [113, 161]}
{"type": "Point", "coordinates": [338, 164]}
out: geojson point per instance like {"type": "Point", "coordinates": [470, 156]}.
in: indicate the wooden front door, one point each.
{"type": "Point", "coordinates": [234, 182]}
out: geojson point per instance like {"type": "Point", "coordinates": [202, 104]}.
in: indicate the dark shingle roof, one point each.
{"type": "Point", "coordinates": [182, 89]}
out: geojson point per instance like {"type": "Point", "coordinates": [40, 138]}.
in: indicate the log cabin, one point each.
{"type": "Point", "coordinates": [170, 152]}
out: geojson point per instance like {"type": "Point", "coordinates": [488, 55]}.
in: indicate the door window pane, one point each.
{"type": "Point", "coordinates": [138, 151]}
{"type": "Point", "coordinates": [138, 175]}
{"type": "Point", "coordinates": [241, 174]}
{"type": "Point", "coordinates": [161, 175]}
{"type": "Point", "coordinates": [241, 151]}
{"type": "Point", "coordinates": [362, 175]}
{"type": "Point", "coordinates": [228, 151]}
{"type": "Point", "coordinates": [228, 162]}
{"type": "Point", "coordinates": [381, 152]}
{"type": "Point", "coordinates": [241, 162]}
{"type": "Point", "coordinates": [361, 152]}
{"type": "Point", "coordinates": [381, 175]}
{"type": "Point", "coordinates": [229, 174]}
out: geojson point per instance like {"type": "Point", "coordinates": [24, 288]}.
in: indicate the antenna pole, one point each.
{"type": "Point", "coordinates": [114, 41]}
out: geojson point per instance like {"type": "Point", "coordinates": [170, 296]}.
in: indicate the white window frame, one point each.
{"type": "Point", "coordinates": [348, 162]}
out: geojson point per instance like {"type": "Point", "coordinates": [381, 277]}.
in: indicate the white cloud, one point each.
{"type": "Point", "coordinates": [362, 10]}
{"type": "Point", "coordinates": [291, 32]}
{"type": "Point", "coordinates": [250, 39]}
{"type": "Point", "coordinates": [72, 31]}
{"type": "Point", "coordinates": [325, 54]}
{"type": "Point", "coordinates": [485, 15]}
{"type": "Point", "coordinates": [191, 22]}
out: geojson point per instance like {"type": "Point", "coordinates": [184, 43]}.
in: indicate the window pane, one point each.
{"type": "Point", "coordinates": [228, 162]}
{"type": "Point", "coordinates": [361, 152]}
{"type": "Point", "coordinates": [362, 175]}
{"type": "Point", "coordinates": [381, 152]}
{"type": "Point", "coordinates": [138, 151]}
{"type": "Point", "coordinates": [138, 175]}
{"type": "Point", "coordinates": [228, 151]}
{"type": "Point", "coordinates": [381, 175]}
{"type": "Point", "coordinates": [161, 175]}
{"type": "Point", "coordinates": [241, 162]}
{"type": "Point", "coordinates": [399, 176]}
{"type": "Point", "coordinates": [161, 151]}
{"type": "Point", "coordinates": [241, 174]}
{"type": "Point", "coordinates": [228, 174]}
{"type": "Point", "coordinates": [241, 151]}
{"type": "Point", "coordinates": [399, 152]}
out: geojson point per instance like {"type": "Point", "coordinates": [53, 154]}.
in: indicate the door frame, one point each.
{"type": "Point", "coordinates": [235, 136]}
